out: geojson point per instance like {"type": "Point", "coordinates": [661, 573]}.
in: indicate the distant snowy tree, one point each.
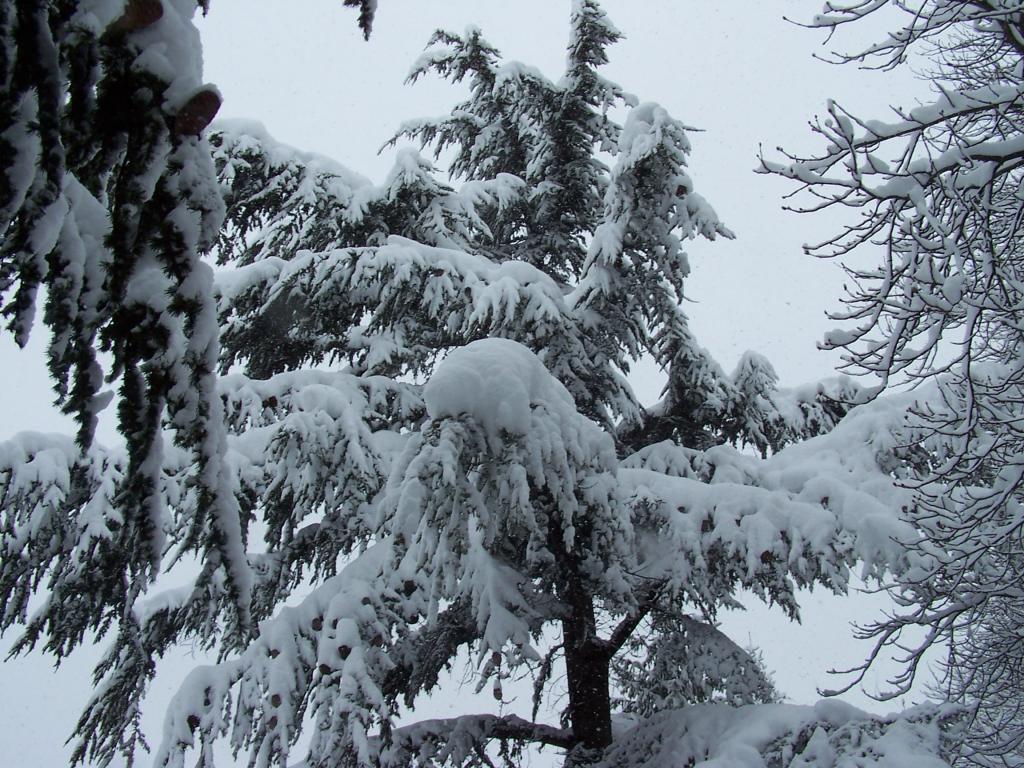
{"type": "Point", "coordinates": [938, 194]}
{"type": "Point", "coordinates": [422, 442]}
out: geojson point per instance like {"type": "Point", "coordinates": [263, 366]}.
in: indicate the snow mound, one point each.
{"type": "Point", "coordinates": [829, 734]}
{"type": "Point", "coordinates": [494, 381]}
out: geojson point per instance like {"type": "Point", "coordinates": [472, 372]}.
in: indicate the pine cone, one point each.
{"type": "Point", "coordinates": [197, 113]}
{"type": "Point", "coordinates": [138, 14]}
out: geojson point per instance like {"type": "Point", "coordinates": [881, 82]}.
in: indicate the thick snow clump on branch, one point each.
{"type": "Point", "coordinates": [494, 381]}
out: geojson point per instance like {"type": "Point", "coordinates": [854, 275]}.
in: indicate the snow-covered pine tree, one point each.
{"type": "Point", "coordinates": [433, 448]}
{"type": "Point", "coordinates": [108, 199]}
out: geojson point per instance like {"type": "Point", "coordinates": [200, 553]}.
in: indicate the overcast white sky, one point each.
{"type": "Point", "coordinates": [736, 70]}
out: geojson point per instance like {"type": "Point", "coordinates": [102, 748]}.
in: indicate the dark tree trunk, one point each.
{"type": "Point", "coordinates": [587, 656]}
{"type": "Point", "coordinates": [587, 663]}
{"type": "Point", "coordinates": [590, 706]}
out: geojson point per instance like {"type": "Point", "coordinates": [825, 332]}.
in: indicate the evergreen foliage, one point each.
{"type": "Point", "coordinates": [422, 440]}
{"type": "Point", "coordinates": [107, 202]}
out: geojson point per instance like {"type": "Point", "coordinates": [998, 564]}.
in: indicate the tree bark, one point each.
{"type": "Point", "coordinates": [587, 656]}
{"type": "Point", "coordinates": [587, 664]}
{"type": "Point", "coordinates": [590, 706]}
